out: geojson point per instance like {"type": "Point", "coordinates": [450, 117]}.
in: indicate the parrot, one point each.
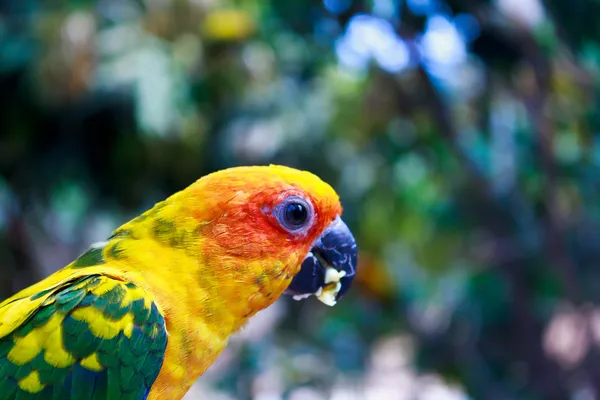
{"type": "Point", "coordinates": [144, 313]}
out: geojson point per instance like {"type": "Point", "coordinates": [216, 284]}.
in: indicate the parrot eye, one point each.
{"type": "Point", "coordinates": [294, 214]}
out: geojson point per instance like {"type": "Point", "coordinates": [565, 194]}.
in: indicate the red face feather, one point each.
{"type": "Point", "coordinates": [243, 217]}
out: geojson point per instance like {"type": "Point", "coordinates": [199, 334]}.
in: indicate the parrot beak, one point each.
{"type": "Point", "coordinates": [329, 268]}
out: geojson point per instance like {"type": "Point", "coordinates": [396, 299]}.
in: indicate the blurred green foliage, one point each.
{"type": "Point", "coordinates": [462, 136]}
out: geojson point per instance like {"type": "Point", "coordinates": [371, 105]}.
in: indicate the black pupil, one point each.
{"type": "Point", "coordinates": [295, 214]}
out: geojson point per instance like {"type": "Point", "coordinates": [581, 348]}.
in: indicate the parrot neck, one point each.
{"type": "Point", "coordinates": [204, 300]}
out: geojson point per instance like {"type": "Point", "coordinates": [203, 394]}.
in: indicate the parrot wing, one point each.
{"type": "Point", "coordinates": [88, 337]}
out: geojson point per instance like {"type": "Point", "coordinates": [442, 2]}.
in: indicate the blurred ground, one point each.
{"type": "Point", "coordinates": [462, 135]}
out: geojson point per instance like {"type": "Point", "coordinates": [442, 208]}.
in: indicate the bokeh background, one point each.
{"type": "Point", "coordinates": [462, 135]}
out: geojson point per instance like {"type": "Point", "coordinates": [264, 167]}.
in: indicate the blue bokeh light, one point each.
{"type": "Point", "coordinates": [337, 6]}
{"type": "Point", "coordinates": [368, 38]}
{"type": "Point", "coordinates": [423, 7]}
{"type": "Point", "coordinates": [468, 26]}
{"type": "Point", "coordinates": [442, 44]}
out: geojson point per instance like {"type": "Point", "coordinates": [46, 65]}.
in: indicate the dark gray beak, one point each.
{"type": "Point", "coordinates": [329, 267]}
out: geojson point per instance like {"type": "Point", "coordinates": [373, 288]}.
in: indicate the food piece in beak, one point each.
{"type": "Point", "coordinates": [329, 268]}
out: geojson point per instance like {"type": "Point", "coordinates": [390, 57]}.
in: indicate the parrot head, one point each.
{"type": "Point", "coordinates": [281, 222]}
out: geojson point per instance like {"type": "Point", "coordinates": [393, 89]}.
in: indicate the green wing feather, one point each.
{"type": "Point", "coordinates": [93, 337]}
